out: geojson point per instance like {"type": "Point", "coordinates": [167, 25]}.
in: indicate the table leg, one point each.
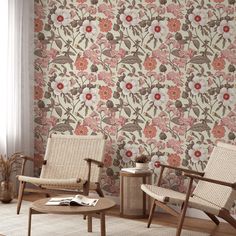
{"type": "Point", "coordinates": [144, 198]}
{"type": "Point", "coordinates": [103, 224]}
{"type": "Point", "coordinates": [89, 223]}
{"type": "Point", "coordinates": [122, 195]}
{"type": "Point", "coordinates": [29, 221]}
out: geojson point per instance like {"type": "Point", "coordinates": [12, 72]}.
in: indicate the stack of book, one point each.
{"type": "Point", "coordinates": [136, 170]}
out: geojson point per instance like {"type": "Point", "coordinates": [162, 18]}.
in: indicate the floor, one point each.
{"type": "Point", "coordinates": [224, 229]}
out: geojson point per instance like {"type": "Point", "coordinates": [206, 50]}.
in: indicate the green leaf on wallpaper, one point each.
{"type": "Point", "coordinates": [62, 128]}
{"type": "Point", "coordinates": [196, 111]}
{"type": "Point", "coordinates": [127, 44]}
{"type": "Point", "coordinates": [39, 53]}
{"type": "Point", "coordinates": [200, 127]}
{"type": "Point", "coordinates": [131, 60]}
{"type": "Point", "coordinates": [200, 60]}
{"type": "Point", "coordinates": [58, 111]}
{"type": "Point", "coordinates": [196, 43]}
{"type": "Point", "coordinates": [175, 52]}
{"type": "Point", "coordinates": [108, 121]}
{"type": "Point", "coordinates": [131, 127]}
{"type": "Point", "coordinates": [175, 120]}
{"type": "Point", "coordinates": [107, 53]}
{"type": "Point", "coordinates": [58, 43]}
{"type": "Point", "coordinates": [127, 111]}
{"type": "Point", "coordinates": [62, 60]}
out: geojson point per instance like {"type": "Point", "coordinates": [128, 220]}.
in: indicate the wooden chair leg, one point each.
{"type": "Point", "coordinates": [227, 217]}
{"type": "Point", "coordinates": [20, 196]}
{"type": "Point", "coordinates": [151, 213]}
{"type": "Point", "coordinates": [99, 191]}
{"type": "Point", "coordinates": [213, 218]}
{"type": "Point", "coordinates": [184, 209]}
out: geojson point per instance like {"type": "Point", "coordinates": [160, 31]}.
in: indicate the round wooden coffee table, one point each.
{"type": "Point", "coordinates": [103, 204]}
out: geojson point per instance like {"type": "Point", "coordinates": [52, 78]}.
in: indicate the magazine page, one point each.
{"type": "Point", "coordinates": [59, 201]}
{"type": "Point", "coordinates": [84, 201]}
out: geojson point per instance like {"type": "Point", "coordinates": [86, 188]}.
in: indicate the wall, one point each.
{"type": "Point", "coordinates": [157, 77]}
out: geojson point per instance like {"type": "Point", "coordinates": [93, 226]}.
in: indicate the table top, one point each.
{"type": "Point", "coordinates": [103, 204]}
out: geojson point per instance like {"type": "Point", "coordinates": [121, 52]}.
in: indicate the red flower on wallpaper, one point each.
{"type": "Point", "coordinates": [174, 92]}
{"type": "Point", "coordinates": [105, 92]}
{"type": "Point", "coordinates": [105, 25]}
{"type": "Point", "coordinates": [174, 25]}
{"type": "Point", "coordinates": [38, 92]}
{"type": "Point", "coordinates": [218, 63]}
{"type": "Point", "coordinates": [150, 63]}
{"type": "Point", "coordinates": [218, 131]}
{"type": "Point", "coordinates": [174, 160]}
{"type": "Point", "coordinates": [38, 25]}
{"type": "Point", "coordinates": [81, 130]}
{"type": "Point", "coordinates": [81, 63]}
{"type": "Point", "coordinates": [150, 131]}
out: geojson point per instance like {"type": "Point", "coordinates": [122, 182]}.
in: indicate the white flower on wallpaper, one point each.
{"type": "Point", "coordinates": [227, 96]}
{"type": "Point", "coordinates": [60, 85]}
{"type": "Point", "coordinates": [129, 85]}
{"type": "Point", "coordinates": [129, 18]}
{"type": "Point", "coordinates": [89, 97]}
{"type": "Point", "coordinates": [158, 29]}
{"type": "Point", "coordinates": [154, 163]}
{"type": "Point", "coordinates": [198, 17]}
{"type": "Point", "coordinates": [198, 153]}
{"type": "Point", "coordinates": [227, 29]}
{"type": "Point", "coordinates": [89, 29]}
{"type": "Point", "coordinates": [198, 85]}
{"type": "Point", "coordinates": [157, 96]}
{"type": "Point", "coordinates": [61, 18]}
{"type": "Point", "coordinates": [129, 152]}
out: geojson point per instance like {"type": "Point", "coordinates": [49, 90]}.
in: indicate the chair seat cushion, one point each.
{"type": "Point", "coordinates": [170, 196]}
{"type": "Point", "coordinates": [51, 182]}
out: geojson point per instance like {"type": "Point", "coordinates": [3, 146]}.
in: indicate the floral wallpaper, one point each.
{"type": "Point", "coordinates": [156, 77]}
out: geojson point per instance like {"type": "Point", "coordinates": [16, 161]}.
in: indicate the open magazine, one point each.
{"type": "Point", "coordinates": [77, 200]}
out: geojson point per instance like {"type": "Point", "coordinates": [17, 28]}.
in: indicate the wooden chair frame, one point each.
{"type": "Point", "coordinates": [47, 191]}
{"type": "Point", "coordinates": [191, 174]}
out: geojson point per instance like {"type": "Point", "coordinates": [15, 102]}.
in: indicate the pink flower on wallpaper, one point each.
{"type": "Point", "coordinates": [180, 129]}
{"type": "Point", "coordinates": [198, 153]}
{"type": "Point", "coordinates": [161, 55]}
{"type": "Point", "coordinates": [38, 25]}
{"type": "Point", "coordinates": [180, 62]}
{"type": "Point", "coordinates": [218, 63]}
{"type": "Point", "coordinates": [175, 9]}
{"type": "Point", "coordinates": [198, 17]}
{"type": "Point", "coordinates": [38, 92]}
{"type": "Point", "coordinates": [89, 29]}
{"type": "Point", "coordinates": [174, 25]}
{"type": "Point", "coordinates": [158, 76]}
{"type": "Point", "coordinates": [39, 11]}
{"type": "Point", "coordinates": [161, 122]}
{"type": "Point", "coordinates": [158, 29]}
{"type": "Point", "coordinates": [112, 62]}
{"type": "Point", "coordinates": [92, 55]}
{"type": "Point", "coordinates": [38, 78]}
{"type": "Point", "coordinates": [111, 130]}
{"type": "Point", "coordinates": [174, 92]}
{"type": "Point", "coordinates": [175, 145]}
{"type": "Point", "coordinates": [81, 130]}
{"type": "Point", "coordinates": [230, 121]}
{"type": "Point", "coordinates": [107, 160]}
{"type": "Point", "coordinates": [230, 55]}
{"type": "Point", "coordinates": [150, 64]}
{"type": "Point", "coordinates": [92, 123]}
{"type": "Point", "coordinates": [107, 10]}
{"type": "Point", "coordinates": [81, 63]}
{"type": "Point", "coordinates": [105, 92]}
{"type": "Point", "coordinates": [52, 53]}
{"type": "Point", "coordinates": [150, 131]}
{"type": "Point", "coordinates": [105, 25]}
{"type": "Point", "coordinates": [175, 77]}
{"type": "Point", "coordinates": [218, 131]}
{"type": "Point", "coordinates": [129, 18]}
{"type": "Point", "coordinates": [81, 1]}
{"type": "Point", "coordinates": [174, 160]}
{"type": "Point", "coordinates": [106, 77]}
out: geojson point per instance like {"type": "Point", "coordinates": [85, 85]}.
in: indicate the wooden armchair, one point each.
{"type": "Point", "coordinates": [70, 165]}
{"type": "Point", "coordinates": [214, 194]}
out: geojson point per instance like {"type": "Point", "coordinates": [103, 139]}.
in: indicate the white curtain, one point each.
{"type": "Point", "coordinates": [16, 66]}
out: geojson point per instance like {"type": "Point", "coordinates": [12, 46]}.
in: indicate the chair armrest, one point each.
{"type": "Point", "coordinates": [98, 163]}
{"type": "Point", "coordinates": [183, 169]}
{"type": "Point", "coordinates": [27, 158]}
{"type": "Point", "coordinates": [214, 181]}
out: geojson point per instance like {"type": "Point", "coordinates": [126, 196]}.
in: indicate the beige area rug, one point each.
{"type": "Point", "coordinates": [74, 225]}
